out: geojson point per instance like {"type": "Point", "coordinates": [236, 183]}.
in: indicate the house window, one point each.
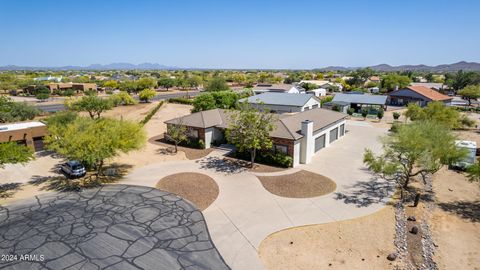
{"type": "Point", "coordinates": [278, 148]}
{"type": "Point", "coordinates": [192, 133]}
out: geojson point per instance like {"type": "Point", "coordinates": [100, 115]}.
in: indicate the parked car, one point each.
{"type": "Point", "coordinates": [73, 169]}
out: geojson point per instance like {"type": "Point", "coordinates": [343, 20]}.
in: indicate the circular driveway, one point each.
{"type": "Point", "coordinates": [113, 227]}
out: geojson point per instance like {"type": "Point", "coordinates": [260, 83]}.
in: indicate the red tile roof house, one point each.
{"type": "Point", "coordinates": [299, 135]}
{"type": "Point", "coordinates": [420, 95]}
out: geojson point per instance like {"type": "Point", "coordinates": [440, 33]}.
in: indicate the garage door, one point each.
{"type": "Point", "coordinates": [334, 134]}
{"type": "Point", "coordinates": [342, 130]}
{"type": "Point", "coordinates": [38, 143]}
{"type": "Point", "coordinates": [319, 142]}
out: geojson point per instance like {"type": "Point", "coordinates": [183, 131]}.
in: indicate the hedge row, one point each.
{"type": "Point", "coordinates": [181, 100]}
{"type": "Point", "coordinates": [151, 113]}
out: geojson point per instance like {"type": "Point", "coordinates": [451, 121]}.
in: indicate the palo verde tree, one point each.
{"type": "Point", "coordinates": [438, 112]}
{"type": "Point", "coordinates": [11, 152]}
{"type": "Point", "coordinates": [11, 111]}
{"type": "Point", "coordinates": [94, 105]}
{"type": "Point", "coordinates": [418, 148]}
{"type": "Point", "coordinates": [471, 92]}
{"type": "Point", "coordinates": [146, 95]}
{"type": "Point", "coordinates": [92, 141]}
{"type": "Point", "coordinates": [249, 130]}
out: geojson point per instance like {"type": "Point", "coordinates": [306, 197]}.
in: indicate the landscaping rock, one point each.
{"type": "Point", "coordinates": [411, 218]}
{"type": "Point", "coordinates": [392, 256]}
{"type": "Point", "coordinates": [414, 230]}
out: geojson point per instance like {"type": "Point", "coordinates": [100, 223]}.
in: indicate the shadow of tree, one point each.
{"type": "Point", "coordinates": [469, 210]}
{"type": "Point", "coordinates": [223, 165]}
{"type": "Point", "coordinates": [60, 182]}
{"type": "Point", "coordinates": [366, 193]}
{"type": "Point", "coordinates": [7, 190]}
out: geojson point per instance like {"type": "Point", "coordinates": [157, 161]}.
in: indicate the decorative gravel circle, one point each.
{"type": "Point", "coordinates": [112, 227]}
{"type": "Point", "coordinates": [197, 188]}
{"type": "Point", "coordinates": [302, 184]}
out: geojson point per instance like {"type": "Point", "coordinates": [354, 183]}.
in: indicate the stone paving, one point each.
{"type": "Point", "coordinates": [113, 227]}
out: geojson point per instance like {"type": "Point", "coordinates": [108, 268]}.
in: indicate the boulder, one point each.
{"type": "Point", "coordinates": [414, 230]}
{"type": "Point", "coordinates": [411, 218]}
{"type": "Point", "coordinates": [392, 256]}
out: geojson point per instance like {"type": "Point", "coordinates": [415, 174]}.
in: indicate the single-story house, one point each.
{"type": "Point", "coordinates": [324, 84]}
{"type": "Point", "coordinates": [283, 102]}
{"type": "Point", "coordinates": [357, 101]}
{"type": "Point", "coordinates": [299, 135]}
{"type": "Point", "coordinates": [73, 86]}
{"type": "Point", "coordinates": [320, 92]}
{"type": "Point", "coordinates": [25, 133]}
{"type": "Point", "coordinates": [420, 95]}
{"type": "Point", "coordinates": [434, 86]}
{"type": "Point", "coordinates": [278, 88]}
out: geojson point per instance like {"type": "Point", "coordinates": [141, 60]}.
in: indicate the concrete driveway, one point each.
{"type": "Point", "coordinates": [245, 213]}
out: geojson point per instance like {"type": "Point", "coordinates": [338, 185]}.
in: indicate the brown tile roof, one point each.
{"type": "Point", "coordinates": [429, 93]}
{"type": "Point", "coordinates": [287, 126]}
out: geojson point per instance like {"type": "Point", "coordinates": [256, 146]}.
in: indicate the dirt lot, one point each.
{"type": "Point", "coordinates": [456, 221]}
{"type": "Point", "coordinates": [152, 153]}
{"type": "Point", "coordinates": [197, 188]}
{"type": "Point", "coordinates": [302, 184]}
{"type": "Point", "coordinates": [361, 243]}
{"type": "Point", "coordinates": [131, 112]}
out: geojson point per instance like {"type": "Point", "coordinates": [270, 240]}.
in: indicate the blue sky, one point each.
{"type": "Point", "coordinates": [239, 34]}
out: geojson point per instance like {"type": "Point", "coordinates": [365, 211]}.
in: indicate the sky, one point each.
{"type": "Point", "coordinates": [291, 34]}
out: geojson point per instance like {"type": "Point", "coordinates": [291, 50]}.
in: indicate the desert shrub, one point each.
{"type": "Point", "coordinates": [151, 113]}
{"type": "Point", "coordinates": [350, 111]}
{"type": "Point", "coordinates": [380, 114]}
{"type": "Point", "coordinates": [268, 157]}
{"type": "Point", "coordinates": [181, 100]}
{"type": "Point", "coordinates": [396, 115]}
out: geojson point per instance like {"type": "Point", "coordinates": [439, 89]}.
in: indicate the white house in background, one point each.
{"type": "Point", "coordinates": [278, 88]}
{"type": "Point", "coordinates": [300, 135]}
{"type": "Point", "coordinates": [324, 84]}
{"type": "Point", "coordinates": [283, 102]}
{"type": "Point", "coordinates": [320, 92]}
{"type": "Point", "coordinates": [49, 78]}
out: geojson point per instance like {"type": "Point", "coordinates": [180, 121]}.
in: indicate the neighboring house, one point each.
{"type": "Point", "coordinates": [283, 102]}
{"type": "Point", "coordinates": [434, 86]}
{"type": "Point", "coordinates": [356, 101]}
{"type": "Point", "coordinates": [73, 86]}
{"type": "Point", "coordinates": [49, 78]}
{"type": "Point", "coordinates": [320, 92]}
{"type": "Point", "coordinates": [25, 133]}
{"type": "Point", "coordinates": [278, 88]}
{"type": "Point", "coordinates": [420, 95]}
{"type": "Point", "coordinates": [299, 135]}
{"type": "Point", "coordinates": [324, 84]}
{"type": "Point", "coordinates": [372, 79]}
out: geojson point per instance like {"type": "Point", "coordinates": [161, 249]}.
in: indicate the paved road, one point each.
{"type": "Point", "coordinates": [61, 107]}
{"type": "Point", "coordinates": [113, 227]}
{"type": "Point", "coordinates": [245, 213]}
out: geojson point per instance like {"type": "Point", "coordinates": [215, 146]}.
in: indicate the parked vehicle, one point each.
{"type": "Point", "coordinates": [470, 159]}
{"type": "Point", "coordinates": [73, 169]}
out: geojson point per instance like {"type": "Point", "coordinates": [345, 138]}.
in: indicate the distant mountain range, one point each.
{"type": "Point", "coordinates": [466, 66]}
{"type": "Point", "coordinates": [113, 66]}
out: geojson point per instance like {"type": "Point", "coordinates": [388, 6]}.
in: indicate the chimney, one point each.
{"type": "Point", "coordinates": [307, 144]}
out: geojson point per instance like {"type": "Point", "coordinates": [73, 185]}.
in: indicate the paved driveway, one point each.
{"type": "Point", "coordinates": [113, 227]}
{"type": "Point", "coordinates": [245, 213]}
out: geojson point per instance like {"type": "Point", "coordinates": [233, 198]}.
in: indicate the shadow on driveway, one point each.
{"type": "Point", "coordinates": [366, 193]}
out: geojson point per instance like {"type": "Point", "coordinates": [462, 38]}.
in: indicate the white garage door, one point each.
{"type": "Point", "coordinates": [319, 142]}
{"type": "Point", "coordinates": [334, 134]}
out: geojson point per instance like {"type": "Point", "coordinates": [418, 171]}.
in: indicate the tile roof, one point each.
{"type": "Point", "coordinates": [286, 99]}
{"type": "Point", "coordinates": [429, 93]}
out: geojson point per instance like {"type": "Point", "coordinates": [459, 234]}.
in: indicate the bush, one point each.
{"type": "Point", "coordinates": [151, 113]}
{"type": "Point", "coordinates": [122, 98]}
{"type": "Point", "coordinates": [268, 157]}
{"type": "Point", "coordinates": [42, 96]}
{"type": "Point", "coordinates": [146, 94]}
{"type": "Point", "coordinates": [364, 113]}
{"type": "Point", "coordinates": [181, 100]}
{"type": "Point", "coordinates": [396, 115]}
{"type": "Point", "coordinates": [380, 114]}
{"type": "Point", "coordinates": [395, 126]}
{"type": "Point", "coordinates": [68, 93]}
{"type": "Point", "coordinates": [350, 111]}
{"type": "Point", "coordinates": [201, 144]}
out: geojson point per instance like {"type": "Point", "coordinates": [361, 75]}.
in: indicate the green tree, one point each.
{"type": "Point", "coordinates": [380, 114]}
{"type": "Point", "coordinates": [393, 81]}
{"type": "Point", "coordinates": [146, 83]}
{"type": "Point", "coordinates": [11, 152]}
{"type": "Point", "coordinates": [471, 92]}
{"type": "Point", "coordinates": [15, 111]}
{"type": "Point", "coordinates": [438, 112]}
{"type": "Point", "coordinates": [146, 95]}
{"type": "Point", "coordinates": [217, 84]}
{"type": "Point", "coordinates": [204, 102]}
{"type": "Point", "coordinates": [419, 148]}
{"type": "Point", "coordinates": [42, 96]}
{"type": "Point", "coordinates": [166, 83]}
{"type": "Point", "coordinates": [111, 84]}
{"type": "Point", "coordinates": [94, 141]}
{"type": "Point", "coordinates": [249, 130]}
{"type": "Point", "coordinates": [129, 86]}
{"type": "Point", "coordinates": [122, 98]}
{"type": "Point", "coordinates": [94, 105]}
{"type": "Point", "coordinates": [177, 134]}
